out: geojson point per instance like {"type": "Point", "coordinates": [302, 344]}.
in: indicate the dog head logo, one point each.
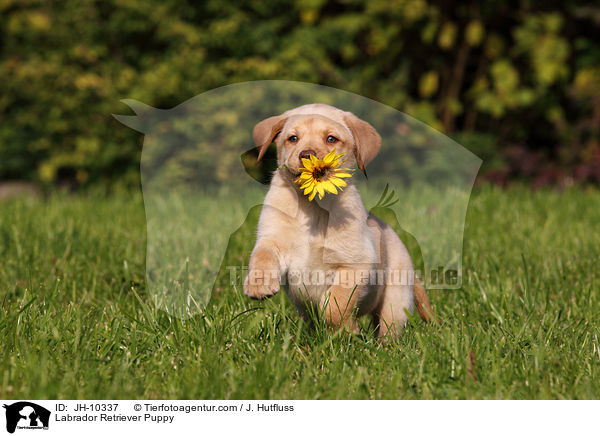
{"type": "Point", "coordinates": [26, 415]}
{"type": "Point", "coordinates": [201, 176]}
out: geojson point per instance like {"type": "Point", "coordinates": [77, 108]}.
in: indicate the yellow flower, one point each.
{"type": "Point", "coordinates": [323, 175]}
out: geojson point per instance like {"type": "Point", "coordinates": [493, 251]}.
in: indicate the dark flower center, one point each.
{"type": "Point", "coordinates": [319, 172]}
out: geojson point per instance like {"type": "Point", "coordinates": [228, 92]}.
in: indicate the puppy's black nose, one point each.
{"type": "Point", "coordinates": [305, 154]}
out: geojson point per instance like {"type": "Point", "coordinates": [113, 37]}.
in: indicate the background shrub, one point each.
{"type": "Point", "coordinates": [517, 83]}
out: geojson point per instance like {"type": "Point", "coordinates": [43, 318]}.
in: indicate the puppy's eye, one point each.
{"type": "Point", "coordinates": [332, 139]}
{"type": "Point", "coordinates": [293, 138]}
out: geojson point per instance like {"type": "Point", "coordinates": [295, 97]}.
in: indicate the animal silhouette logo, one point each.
{"type": "Point", "coordinates": [197, 191]}
{"type": "Point", "coordinates": [26, 415]}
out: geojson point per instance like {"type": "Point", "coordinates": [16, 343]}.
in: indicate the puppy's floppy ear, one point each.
{"type": "Point", "coordinates": [368, 141]}
{"type": "Point", "coordinates": [266, 131]}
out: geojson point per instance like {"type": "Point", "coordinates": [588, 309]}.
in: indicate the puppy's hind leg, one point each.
{"type": "Point", "coordinates": [338, 304]}
{"type": "Point", "coordinates": [391, 314]}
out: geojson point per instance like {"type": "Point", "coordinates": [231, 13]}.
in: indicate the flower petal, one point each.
{"type": "Point", "coordinates": [337, 182]}
{"type": "Point", "coordinates": [320, 190]}
{"type": "Point", "coordinates": [329, 187]}
{"type": "Point", "coordinates": [310, 198]}
{"type": "Point", "coordinates": [308, 165]}
{"type": "Point", "coordinates": [306, 184]}
{"type": "Point", "coordinates": [329, 158]}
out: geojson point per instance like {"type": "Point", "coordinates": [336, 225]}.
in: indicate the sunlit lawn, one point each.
{"type": "Point", "coordinates": [76, 319]}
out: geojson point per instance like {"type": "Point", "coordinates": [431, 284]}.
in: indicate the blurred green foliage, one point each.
{"type": "Point", "coordinates": [517, 83]}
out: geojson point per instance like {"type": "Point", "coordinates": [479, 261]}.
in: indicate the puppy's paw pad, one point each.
{"type": "Point", "coordinates": [260, 288]}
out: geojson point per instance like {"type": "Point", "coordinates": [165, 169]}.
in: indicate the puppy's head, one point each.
{"type": "Point", "coordinates": [317, 129]}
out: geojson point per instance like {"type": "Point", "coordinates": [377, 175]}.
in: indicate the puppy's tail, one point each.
{"type": "Point", "coordinates": [422, 303]}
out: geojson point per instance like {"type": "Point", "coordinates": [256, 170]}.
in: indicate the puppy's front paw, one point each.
{"type": "Point", "coordinates": [260, 284]}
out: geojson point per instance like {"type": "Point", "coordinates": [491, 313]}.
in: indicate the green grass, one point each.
{"type": "Point", "coordinates": [76, 319]}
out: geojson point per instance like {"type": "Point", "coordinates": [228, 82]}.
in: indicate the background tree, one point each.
{"type": "Point", "coordinates": [517, 83]}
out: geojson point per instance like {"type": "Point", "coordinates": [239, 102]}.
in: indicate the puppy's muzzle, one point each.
{"type": "Point", "coordinates": [305, 154]}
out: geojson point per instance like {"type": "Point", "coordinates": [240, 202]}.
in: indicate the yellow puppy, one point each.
{"type": "Point", "coordinates": [329, 253]}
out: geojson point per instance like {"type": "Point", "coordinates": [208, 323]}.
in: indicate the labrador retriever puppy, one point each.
{"type": "Point", "coordinates": [330, 254]}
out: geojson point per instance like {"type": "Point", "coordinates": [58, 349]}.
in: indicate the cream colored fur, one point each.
{"type": "Point", "coordinates": [330, 253]}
